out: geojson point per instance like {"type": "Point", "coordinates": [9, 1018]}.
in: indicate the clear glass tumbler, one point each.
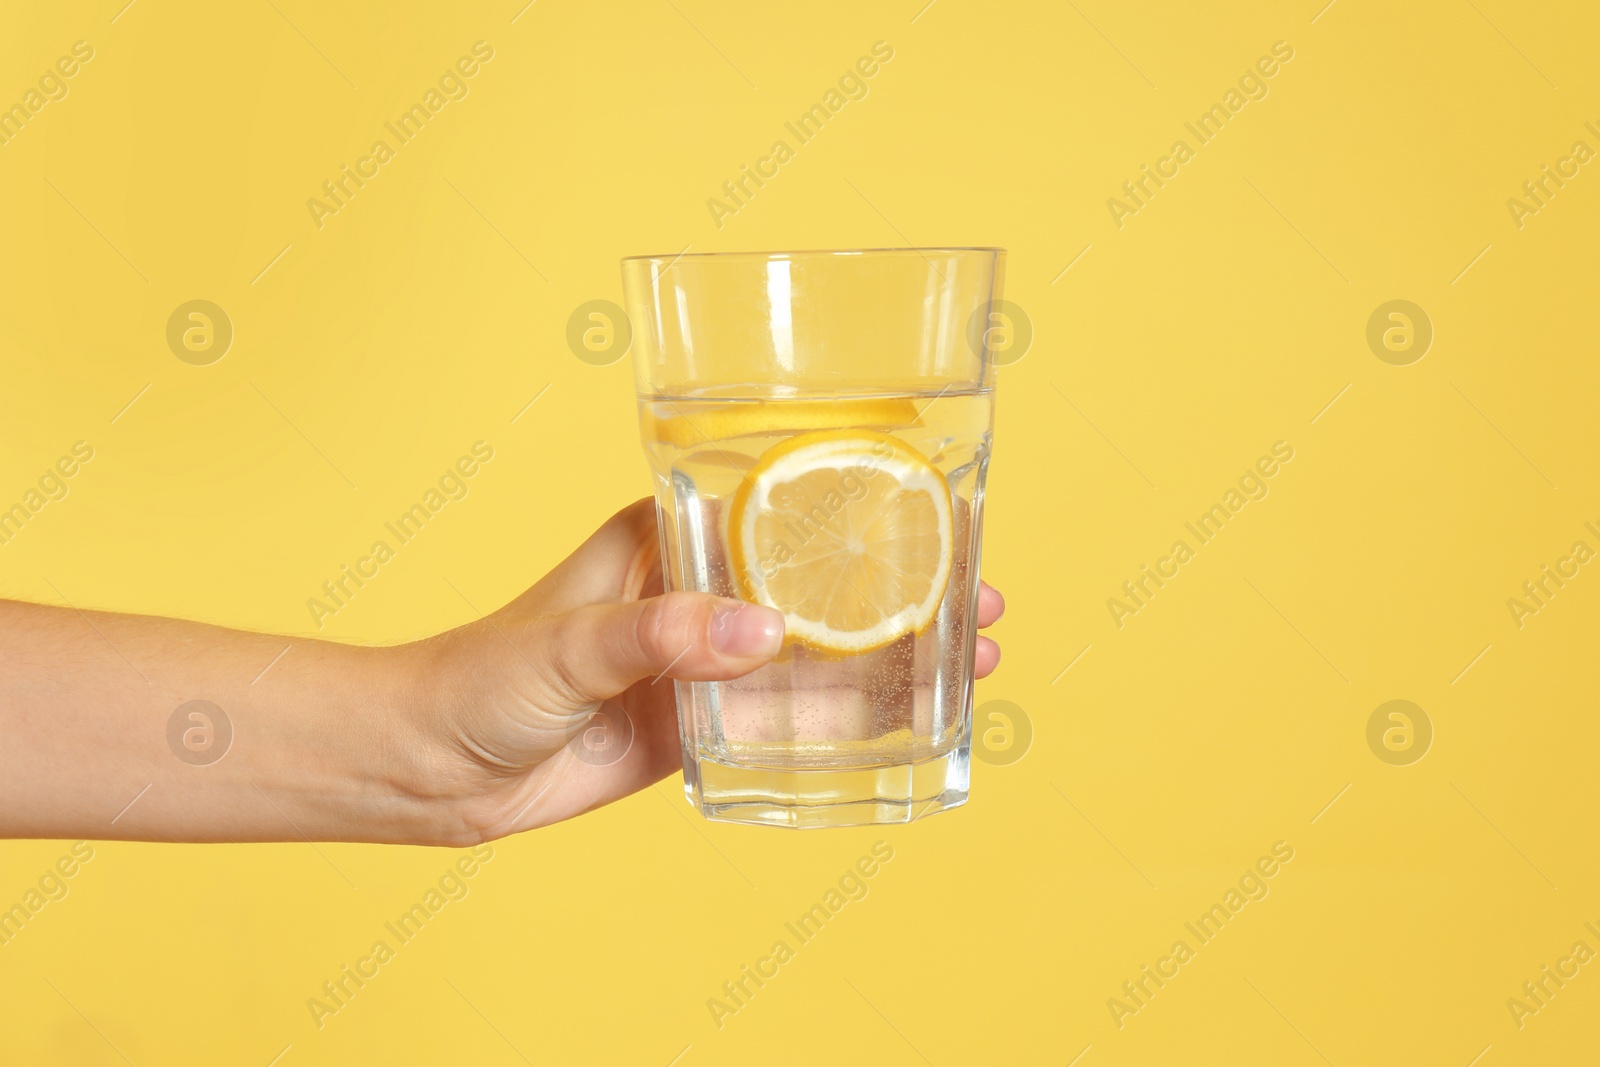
{"type": "Point", "coordinates": [818, 425]}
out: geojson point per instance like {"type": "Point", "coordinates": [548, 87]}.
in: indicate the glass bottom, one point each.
{"type": "Point", "coordinates": [823, 797]}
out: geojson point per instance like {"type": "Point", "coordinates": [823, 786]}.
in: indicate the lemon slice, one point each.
{"type": "Point", "coordinates": [848, 533]}
{"type": "Point", "coordinates": [780, 416]}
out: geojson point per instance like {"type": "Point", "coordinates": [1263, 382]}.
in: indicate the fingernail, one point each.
{"type": "Point", "coordinates": [746, 630]}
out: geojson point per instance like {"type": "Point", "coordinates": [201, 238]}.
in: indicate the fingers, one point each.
{"type": "Point", "coordinates": [991, 605]}
{"type": "Point", "coordinates": [986, 658]}
{"type": "Point", "coordinates": [596, 652]}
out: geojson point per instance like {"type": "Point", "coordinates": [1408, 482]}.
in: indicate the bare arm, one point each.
{"type": "Point", "coordinates": [464, 737]}
{"type": "Point", "coordinates": [318, 745]}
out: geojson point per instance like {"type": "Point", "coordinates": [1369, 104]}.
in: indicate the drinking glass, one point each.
{"type": "Point", "coordinates": [818, 426]}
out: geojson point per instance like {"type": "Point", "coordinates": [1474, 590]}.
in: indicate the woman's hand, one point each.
{"type": "Point", "coordinates": [594, 638]}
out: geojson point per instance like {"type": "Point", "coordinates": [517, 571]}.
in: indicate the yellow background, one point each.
{"type": "Point", "coordinates": [1223, 317]}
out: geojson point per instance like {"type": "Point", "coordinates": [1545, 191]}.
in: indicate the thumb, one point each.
{"type": "Point", "coordinates": [596, 652]}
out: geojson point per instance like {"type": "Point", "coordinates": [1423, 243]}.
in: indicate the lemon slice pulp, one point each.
{"type": "Point", "coordinates": [848, 533]}
{"type": "Point", "coordinates": [781, 416]}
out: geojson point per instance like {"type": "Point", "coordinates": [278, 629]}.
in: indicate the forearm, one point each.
{"type": "Point", "coordinates": [327, 742]}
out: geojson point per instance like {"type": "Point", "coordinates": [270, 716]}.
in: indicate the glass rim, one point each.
{"type": "Point", "coordinates": [793, 253]}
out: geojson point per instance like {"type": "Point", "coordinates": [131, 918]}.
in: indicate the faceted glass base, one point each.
{"type": "Point", "coordinates": [820, 797]}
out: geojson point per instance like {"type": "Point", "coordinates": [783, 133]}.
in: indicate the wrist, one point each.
{"type": "Point", "coordinates": [412, 760]}
{"type": "Point", "coordinates": [360, 758]}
